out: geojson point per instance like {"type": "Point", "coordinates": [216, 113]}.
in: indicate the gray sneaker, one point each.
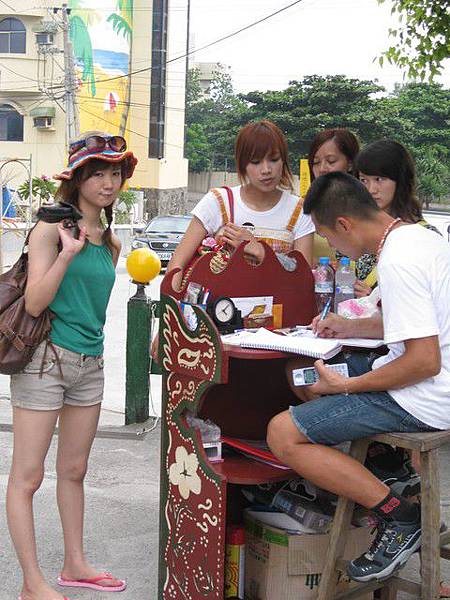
{"type": "Point", "coordinates": [394, 543]}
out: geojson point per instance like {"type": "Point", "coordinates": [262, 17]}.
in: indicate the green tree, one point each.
{"type": "Point", "coordinates": [315, 103]}
{"type": "Point", "coordinates": [422, 38]}
{"type": "Point", "coordinates": [415, 114]}
{"type": "Point", "coordinates": [433, 176]}
{"type": "Point", "coordinates": [211, 121]}
{"type": "Point", "coordinates": [198, 150]}
{"type": "Point", "coordinates": [424, 108]}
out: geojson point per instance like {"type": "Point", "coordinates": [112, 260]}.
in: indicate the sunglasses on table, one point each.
{"type": "Point", "coordinates": [99, 142]}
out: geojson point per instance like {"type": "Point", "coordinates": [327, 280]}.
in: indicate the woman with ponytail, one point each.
{"type": "Point", "coordinates": [71, 270]}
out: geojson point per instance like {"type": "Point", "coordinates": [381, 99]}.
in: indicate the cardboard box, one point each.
{"type": "Point", "coordinates": [281, 566]}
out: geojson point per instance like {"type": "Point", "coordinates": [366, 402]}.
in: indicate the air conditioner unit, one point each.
{"type": "Point", "coordinates": [43, 117]}
{"type": "Point", "coordinates": [43, 122]}
{"type": "Point", "coordinates": [44, 38]}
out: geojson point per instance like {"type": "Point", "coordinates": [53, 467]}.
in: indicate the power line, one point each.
{"type": "Point", "coordinates": [194, 50]}
{"type": "Point", "coordinates": [8, 5]}
{"type": "Point", "coordinates": [128, 129]}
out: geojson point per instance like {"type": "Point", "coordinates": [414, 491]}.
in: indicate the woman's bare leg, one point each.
{"type": "Point", "coordinates": [33, 430]}
{"type": "Point", "coordinates": [77, 428]}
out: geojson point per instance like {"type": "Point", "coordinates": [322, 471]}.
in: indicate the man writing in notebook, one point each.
{"type": "Point", "coordinates": [406, 390]}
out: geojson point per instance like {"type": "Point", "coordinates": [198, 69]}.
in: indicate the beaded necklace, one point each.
{"type": "Point", "coordinates": [386, 232]}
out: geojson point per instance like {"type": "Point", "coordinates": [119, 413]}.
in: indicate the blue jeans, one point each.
{"type": "Point", "coordinates": [330, 420]}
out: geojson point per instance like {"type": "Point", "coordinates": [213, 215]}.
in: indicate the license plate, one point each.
{"type": "Point", "coordinates": [165, 255]}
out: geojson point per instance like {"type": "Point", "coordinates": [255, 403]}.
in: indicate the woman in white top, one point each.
{"type": "Point", "coordinates": [263, 200]}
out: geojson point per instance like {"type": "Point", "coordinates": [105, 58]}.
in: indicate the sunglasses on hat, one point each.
{"type": "Point", "coordinates": [99, 142]}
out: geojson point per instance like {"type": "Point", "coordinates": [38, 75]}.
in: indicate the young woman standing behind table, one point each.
{"type": "Point", "coordinates": [74, 277]}
{"type": "Point", "coordinates": [331, 150]}
{"type": "Point", "coordinates": [263, 199]}
{"type": "Point", "coordinates": [387, 170]}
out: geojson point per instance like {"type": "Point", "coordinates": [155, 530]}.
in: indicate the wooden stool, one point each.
{"type": "Point", "coordinates": [427, 444]}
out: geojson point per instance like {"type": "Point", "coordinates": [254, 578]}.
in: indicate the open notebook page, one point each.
{"type": "Point", "coordinates": [354, 342]}
{"type": "Point", "coordinates": [306, 345]}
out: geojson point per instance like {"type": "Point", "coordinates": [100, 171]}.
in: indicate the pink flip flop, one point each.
{"type": "Point", "coordinates": [93, 584]}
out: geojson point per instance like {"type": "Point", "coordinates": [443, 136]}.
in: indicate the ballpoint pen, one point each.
{"type": "Point", "coordinates": [326, 310]}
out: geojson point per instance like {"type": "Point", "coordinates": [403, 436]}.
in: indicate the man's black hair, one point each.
{"type": "Point", "coordinates": [337, 195]}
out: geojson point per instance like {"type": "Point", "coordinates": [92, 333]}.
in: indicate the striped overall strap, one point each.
{"type": "Point", "coordinates": [295, 214]}
{"type": "Point", "coordinates": [223, 211]}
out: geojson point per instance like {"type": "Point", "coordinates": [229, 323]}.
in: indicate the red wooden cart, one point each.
{"type": "Point", "coordinates": [240, 390]}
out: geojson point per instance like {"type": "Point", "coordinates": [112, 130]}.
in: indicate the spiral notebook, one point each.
{"type": "Point", "coordinates": [308, 346]}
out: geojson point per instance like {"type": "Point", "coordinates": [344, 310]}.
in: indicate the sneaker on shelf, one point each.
{"type": "Point", "coordinates": [394, 543]}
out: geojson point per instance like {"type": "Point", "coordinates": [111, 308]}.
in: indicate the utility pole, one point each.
{"type": "Point", "coordinates": [188, 34]}
{"type": "Point", "coordinates": [72, 118]}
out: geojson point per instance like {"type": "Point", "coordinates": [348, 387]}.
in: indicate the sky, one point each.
{"type": "Point", "coordinates": [323, 37]}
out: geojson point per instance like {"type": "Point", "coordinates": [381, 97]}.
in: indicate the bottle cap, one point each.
{"type": "Point", "coordinates": [235, 535]}
{"type": "Point", "coordinates": [324, 260]}
{"type": "Point", "coordinates": [345, 260]}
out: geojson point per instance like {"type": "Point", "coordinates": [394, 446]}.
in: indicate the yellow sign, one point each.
{"type": "Point", "coordinates": [305, 177]}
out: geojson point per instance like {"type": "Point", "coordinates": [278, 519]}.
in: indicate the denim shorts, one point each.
{"type": "Point", "coordinates": [81, 384]}
{"type": "Point", "coordinates": [330, 420]}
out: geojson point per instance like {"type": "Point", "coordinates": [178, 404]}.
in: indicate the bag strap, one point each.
{"type": "Point", "coordinates": [49, 344]}
{"type": "Point", "coordinates": [230, 201]}
{"type": "Point", "coordinates": [295, 215]}
{"type": "Point", "coordinates": [223, 210]}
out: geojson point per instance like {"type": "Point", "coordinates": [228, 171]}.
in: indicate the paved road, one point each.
{"type": "Point", "coordinates": [122, 485]}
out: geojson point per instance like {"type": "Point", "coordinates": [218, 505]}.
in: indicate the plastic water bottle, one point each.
{"type": "Point", "coordinates": [324, 282]}
{"type": "Point", "coordinates": [345, 278]}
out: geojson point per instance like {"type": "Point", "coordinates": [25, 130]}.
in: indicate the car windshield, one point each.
{"type": "Point", "coordinates": [168, 225]}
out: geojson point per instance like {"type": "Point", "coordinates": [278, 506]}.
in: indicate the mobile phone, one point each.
{"type": "Point", "coordinates": [309, 375]}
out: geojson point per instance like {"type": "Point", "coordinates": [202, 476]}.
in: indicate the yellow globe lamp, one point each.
{"type": "Point", "coordinates": [143, 265]}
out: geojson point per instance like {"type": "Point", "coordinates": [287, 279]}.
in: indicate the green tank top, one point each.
{"type": "Point", "coordinates": [81, 300]}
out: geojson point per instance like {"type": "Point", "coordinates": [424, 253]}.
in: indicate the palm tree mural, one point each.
{"type": "Point", "coordinates": [122, 24]}
{"type": "Point", "coordinates": [80, 19]}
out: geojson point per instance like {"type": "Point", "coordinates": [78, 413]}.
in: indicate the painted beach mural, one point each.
{"type": "Point", "coordinates": [97, 26]}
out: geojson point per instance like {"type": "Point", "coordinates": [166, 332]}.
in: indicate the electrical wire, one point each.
{"type": "Point", "coordinates": [128, 129]}
{"type": "Point", "coordinates": [8, 5]}
{"type": "Point", "coordinates": [194, 50]}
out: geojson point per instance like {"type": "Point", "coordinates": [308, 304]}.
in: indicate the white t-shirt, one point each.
{"type": "Point", "coordinates": [414, 280]}
{"type": "Point", "coordinates": [208, 212]}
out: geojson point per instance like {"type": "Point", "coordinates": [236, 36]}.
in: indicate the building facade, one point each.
{"type": "Point", "coordinates": [127, 79]}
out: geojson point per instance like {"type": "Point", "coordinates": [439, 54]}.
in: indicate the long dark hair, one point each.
{"type": "Point", "coordinates": [345, 140]}
{"type": "Point", "coordinates": [69, 188]}
{"type": "Point", "coordinates": [387, 158]}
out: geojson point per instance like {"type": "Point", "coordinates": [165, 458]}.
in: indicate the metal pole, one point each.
{"type": "Point", "coordinates": [188, 26]}
{"type": "Point", "coordinates": [72, 124]}
{"type": "Point", "coordinates": [138, 358]}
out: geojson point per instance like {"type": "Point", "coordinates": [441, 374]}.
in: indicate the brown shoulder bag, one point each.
{"type": "Point", "coordinates": [20, 333]}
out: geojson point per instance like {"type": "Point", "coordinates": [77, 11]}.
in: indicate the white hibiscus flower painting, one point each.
{"type": "Point", "coordinates": [183, 473]}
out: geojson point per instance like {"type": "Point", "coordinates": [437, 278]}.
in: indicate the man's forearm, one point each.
{"type": "Point", "coordinates": [370, 327]}
{"type": "Point", "coordinates": [420, 361]}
